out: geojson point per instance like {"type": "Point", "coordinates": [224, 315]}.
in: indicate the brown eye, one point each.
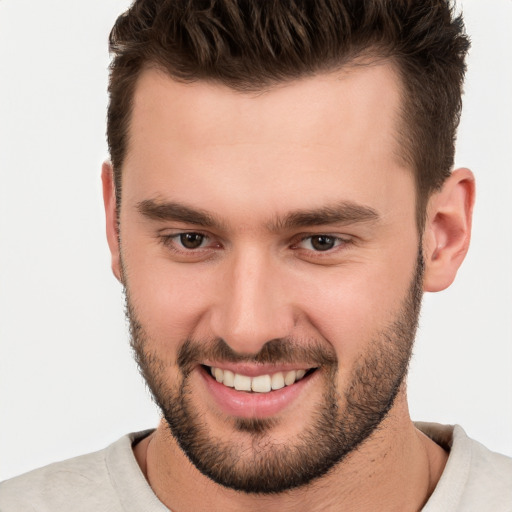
{"type": "Point", "coordinates": [191, 240]}
{"type": "Point", "coordinates": [323, 242]}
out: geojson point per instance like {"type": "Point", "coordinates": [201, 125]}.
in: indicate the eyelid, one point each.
{"type": "Point", "coordinates": [170, 239]}
{"type": "Point", "coordinates": [339, 239]}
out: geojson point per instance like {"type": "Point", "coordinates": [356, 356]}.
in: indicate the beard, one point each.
{"type": "Point", "coordinates": [338, 424]}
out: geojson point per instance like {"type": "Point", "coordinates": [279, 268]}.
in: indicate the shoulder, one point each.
{"type": "Point", "coordinates": [80, 483]}
{"type": "Point", "coordinates": [57, 486]}
{"type": "Point", "coordinates": [474, 479]}
{"type": "Point", "coordinates": [489, 484]}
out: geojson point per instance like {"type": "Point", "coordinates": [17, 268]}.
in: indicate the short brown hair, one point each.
{"type": "Point", "coordinates": [253, 44]}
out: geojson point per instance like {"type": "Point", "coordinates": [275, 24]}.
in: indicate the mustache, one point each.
{"type": "Point", "coordinates": [281, 350]}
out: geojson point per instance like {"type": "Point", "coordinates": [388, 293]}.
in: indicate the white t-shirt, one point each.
{"type": "Point", "coordinates": [474, 480]}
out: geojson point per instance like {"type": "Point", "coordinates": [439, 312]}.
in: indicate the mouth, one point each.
{"type": "Point", "coordinates": [261, 383]}
{"type": "Point", "coordinates": [247, 390]}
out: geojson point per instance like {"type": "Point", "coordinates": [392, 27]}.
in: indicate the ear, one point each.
{"type": "Point", "coordinates": [109, 200]}
{"type": "Point", "coordinates": [448, 230]}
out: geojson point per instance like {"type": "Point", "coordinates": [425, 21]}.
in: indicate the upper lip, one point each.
{"type": "Point", "coordinates": [253, 370]}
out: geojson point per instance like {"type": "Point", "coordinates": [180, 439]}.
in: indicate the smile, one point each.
{"type": "Point", "coordinates": [259, 383]}
{"type": "Point", "coordinates": [255, 391]}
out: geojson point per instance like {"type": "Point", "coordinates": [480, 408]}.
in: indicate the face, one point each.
{"type": "Point", "coordinates": [269, 252]}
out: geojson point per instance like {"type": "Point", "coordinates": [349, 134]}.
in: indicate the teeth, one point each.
{"type": "Point", "coordinates": [229, 379]}
{"type": "Point", "coordinates": [242, 382]}
{"type": "Point", "coordinates": [219, 375]}
{"type": "Point", "coordinates": [259, 384]}
{"type": "Point", "coordinates": [277, 380]}
{"type": "Point", "coordinates": [289, 378]}
{"type": "Point", "coordinates": [300, 374]}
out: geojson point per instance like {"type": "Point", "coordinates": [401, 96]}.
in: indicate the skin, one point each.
{"type": "Point", "coordinates": [248, 159]}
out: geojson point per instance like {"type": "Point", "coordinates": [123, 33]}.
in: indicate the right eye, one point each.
{"type": "Point", "coordinates": [190, 246]}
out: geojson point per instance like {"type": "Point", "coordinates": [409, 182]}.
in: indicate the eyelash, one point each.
{"type": "Point", "coordinates": [337, 240]}
{"type": "Point", "coordinates": [172, 241]}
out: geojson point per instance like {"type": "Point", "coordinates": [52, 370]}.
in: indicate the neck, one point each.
{"type": "Point", "coordinates": [397, 456]}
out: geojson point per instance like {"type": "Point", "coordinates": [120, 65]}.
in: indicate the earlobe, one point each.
{"type": "Point", "coordinates": [448, 230]}
{"type": "Point", "coordinates": [109, 201]}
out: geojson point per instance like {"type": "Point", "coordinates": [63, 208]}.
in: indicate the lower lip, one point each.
{"type": "Point", "coordinates": [244, 404]}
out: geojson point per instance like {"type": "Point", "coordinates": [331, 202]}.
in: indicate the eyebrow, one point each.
{"type": "Point", "coordinates": [345, 212]}
{"type": "Point", "coordinates": [173, 211]}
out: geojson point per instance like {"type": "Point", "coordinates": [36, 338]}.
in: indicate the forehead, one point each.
{"type": "Point", "coordinates": [309, 135]}
{"type": "Point", "coordinates": [349, 100]}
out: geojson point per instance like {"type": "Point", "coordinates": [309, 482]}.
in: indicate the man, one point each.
{"type": "Point", "coordinates": [279, 195]}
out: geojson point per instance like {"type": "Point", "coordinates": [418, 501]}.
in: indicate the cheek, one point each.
{"type": "Point", "coordinates": [350, 308]}
{"type": "Point", "coordinates": [168, 298]}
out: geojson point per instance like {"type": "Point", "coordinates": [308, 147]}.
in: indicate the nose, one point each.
{"type": "Point", "coordinates": [252, 307]}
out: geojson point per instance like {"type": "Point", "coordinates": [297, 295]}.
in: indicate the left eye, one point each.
{"type": "Point", "coordinates": [320, 242]}
{"type": "Point", "coordinates": [191, 240]}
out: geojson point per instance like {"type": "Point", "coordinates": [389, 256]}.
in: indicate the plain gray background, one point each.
{"type": "Point", "coordinates": [67, 381]}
